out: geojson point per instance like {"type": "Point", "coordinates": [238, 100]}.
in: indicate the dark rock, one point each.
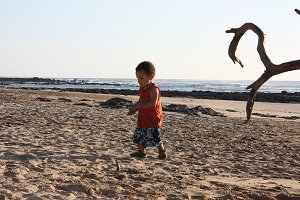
{"type": "Point", "coordinates": [209, 111]}
{"type": "Point", "coordinates": [43, 99]}
{"type": "Point", "coordinates": [7, 81]}
{"type": "Point", "coordinates": [291, 117]}
{"type": "Point", "coordinates": [230, 110]}
{"type": "Point", "coordinates": [239, 96]}
{"type": "Point", "coordinates": [264, 115]}
{"type": "Point", "coordinates": [282, 196]}
{"type": "Point", "coordinates": [64, 100]}
{"type": "Point", "coordinates": [176, 108]}
{"type": "Point", "coordinates": [275, 116]}
{"type": "Point", "coordinates": [101, 91]}
{"type": "Point", "coordinates": [116, 103]}
{"type": "Point", "coordinates": [191, 111]}
{"type": "Point", "coordinates": [85, 100]}
{"type": "Point", "coordinates": [83, 104]}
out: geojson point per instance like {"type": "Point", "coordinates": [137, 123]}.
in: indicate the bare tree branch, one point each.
{"type": "Point", "coordinates": [271, 69]}
{"type": "Point", "coordinates": [239, 32]}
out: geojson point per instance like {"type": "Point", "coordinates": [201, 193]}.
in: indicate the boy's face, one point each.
{"type": "Point", "coordinates": [143, 78]}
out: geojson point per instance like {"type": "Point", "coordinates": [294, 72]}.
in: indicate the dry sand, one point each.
{"type": "Point", "coordinates": [72, 149]}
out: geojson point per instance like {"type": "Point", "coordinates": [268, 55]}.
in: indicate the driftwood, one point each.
{"type": "Point", "coordinates": [271, 69]}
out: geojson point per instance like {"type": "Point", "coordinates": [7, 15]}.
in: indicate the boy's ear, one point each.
{"type": "Point", "coordinates": [151, 77]}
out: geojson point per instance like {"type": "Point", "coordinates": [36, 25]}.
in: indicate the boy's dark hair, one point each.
{"type": "Point", "coordinates": [147, 67]}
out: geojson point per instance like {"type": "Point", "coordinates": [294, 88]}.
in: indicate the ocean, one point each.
{"type": "Point", "coordinates": [167, 84]}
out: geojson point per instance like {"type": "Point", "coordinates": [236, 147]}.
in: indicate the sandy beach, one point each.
{"type": "Point", "coordinates": [65, 145]}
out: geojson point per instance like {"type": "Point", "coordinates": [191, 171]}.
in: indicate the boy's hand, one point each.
{"type": "Point", "coordinates": [131, 111]}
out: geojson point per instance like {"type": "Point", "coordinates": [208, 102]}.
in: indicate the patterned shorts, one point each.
{"type": "Point", "coordinates": [148, 137]}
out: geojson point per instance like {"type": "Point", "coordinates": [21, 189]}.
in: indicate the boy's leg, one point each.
{"type": "Point", "coordinates": [140, 153]}
{"type": "Point", "coordinates": [138, 139]}
{"type": "Point", "coordinates": [162, 154]}
{"type": "Point", "coordinates": [141, 148]}
{"type": "Point", "coordinates": [160, 147]}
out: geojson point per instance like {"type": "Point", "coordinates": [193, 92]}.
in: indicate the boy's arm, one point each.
{"type": "Point", "coordinates": [154, 94]}
{"type": "Point", "coordinates": [133, 109]}
{"type": "Point", "coordinates": [141, 104]}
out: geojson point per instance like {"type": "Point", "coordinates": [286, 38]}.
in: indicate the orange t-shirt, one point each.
{"type": "Point", "coordinates": [153, 116]}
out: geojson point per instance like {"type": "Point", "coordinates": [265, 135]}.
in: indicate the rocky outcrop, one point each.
{"type": "Point", "coordinates": [116, 103]}
{"type": "Point", "coordinates": [191, 111]}
{"type": "Point", "coordinates": [283, 97]}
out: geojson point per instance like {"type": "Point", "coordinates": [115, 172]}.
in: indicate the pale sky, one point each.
{"type": "Point", "coordinates": [185, 39]}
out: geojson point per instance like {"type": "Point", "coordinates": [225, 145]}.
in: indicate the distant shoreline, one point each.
{"type": "Point", "coordinates": [283, 97]}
